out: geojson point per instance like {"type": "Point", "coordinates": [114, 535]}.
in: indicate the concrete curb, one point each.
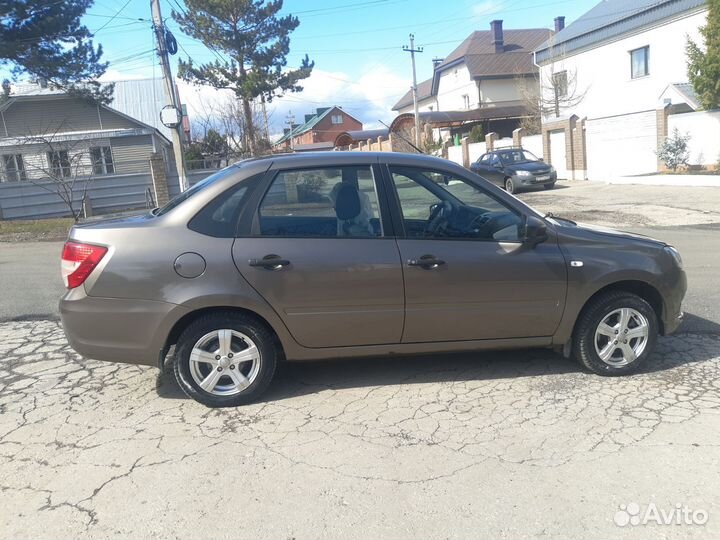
{"type": "Point", "coordinates": [687, 180]}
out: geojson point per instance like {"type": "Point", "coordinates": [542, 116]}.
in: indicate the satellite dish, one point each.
{"type": "Point", "coordinates": [170, 116]}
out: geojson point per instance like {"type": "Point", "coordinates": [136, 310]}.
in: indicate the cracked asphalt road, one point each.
{"type": "Point", "coordinates": [513, 445]}
{"type": "Point", "coordinates": [488, 445]}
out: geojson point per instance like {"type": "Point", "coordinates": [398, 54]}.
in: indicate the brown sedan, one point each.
{"type": "Point", "coordinates": [341, 254]}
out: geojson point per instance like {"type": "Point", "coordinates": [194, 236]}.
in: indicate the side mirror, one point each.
{"type": "Point", "coordinates": [541, 159]}
{"type": "Point", "coordinates": [535, 231]}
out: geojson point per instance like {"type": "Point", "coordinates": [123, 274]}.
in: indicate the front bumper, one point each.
{"type": "Point", "coordinates": [672, 312]}
{"type": "Point", "coordinates": [123, 330]}
{"type": "Point", "coordinates": [549, 178]}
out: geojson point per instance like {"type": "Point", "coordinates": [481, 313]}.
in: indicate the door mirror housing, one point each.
{"type": "Point", "coordinates": [535, 231]}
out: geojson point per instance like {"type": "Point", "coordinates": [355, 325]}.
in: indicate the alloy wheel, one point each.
{"type": "Point", "coordinates": [621, 336]}
{"type": "Point", "coordinates": [224, 362]}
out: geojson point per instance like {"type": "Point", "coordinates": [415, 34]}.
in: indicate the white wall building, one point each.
{"type": "Point", "coordinates": [618, 60]}
{"type": "Point", "coordinates": [488, 70]}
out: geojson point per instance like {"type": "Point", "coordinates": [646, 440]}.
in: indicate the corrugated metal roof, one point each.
{"type": "Point", "coordinates": [142, 99]}
{"type": "Point", "coordinates": [610, 19]}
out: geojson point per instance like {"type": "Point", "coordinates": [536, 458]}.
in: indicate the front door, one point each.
{"type": "Point", "coordinates": [320, 256]}
{"type": "Point", "coordinates": [468, 275]}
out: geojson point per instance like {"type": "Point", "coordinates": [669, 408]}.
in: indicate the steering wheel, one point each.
{"type": "Point", "coordinates": [439, 217]}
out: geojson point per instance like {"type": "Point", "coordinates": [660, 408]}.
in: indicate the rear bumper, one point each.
{"type": "Point", "coordinates": [130, 331]}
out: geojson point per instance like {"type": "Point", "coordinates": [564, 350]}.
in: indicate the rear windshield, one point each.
{"type": "Point", "coordinates": [196, 188]}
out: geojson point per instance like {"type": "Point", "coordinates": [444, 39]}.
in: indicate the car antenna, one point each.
{"type": "Point", "coordinates": [403, 138]}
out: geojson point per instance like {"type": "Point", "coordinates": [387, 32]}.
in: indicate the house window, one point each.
{"type": "Point", "coordinates": [560, 84]}
{"type": "Point", "coordinates": [59, 163]}
{"type": "Point", "coordinates": [639, 62]}
{"type": "Point", "coordinates": [14, 168]}
{"type": "Point", "coordinates": [466, 101]}
{"type": "Point", "coordinates": [102, 161]}
{"type": "Point", "coordinates": [336, 119]}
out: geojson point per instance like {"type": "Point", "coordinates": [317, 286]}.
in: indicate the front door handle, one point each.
{"type": "Point", "coordinates": [271, 262]}
{"type": "Point", "coordinates": [426, 262]}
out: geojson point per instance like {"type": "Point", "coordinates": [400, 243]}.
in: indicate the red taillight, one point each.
{"type": "Point", "coordinates": [78, 260]}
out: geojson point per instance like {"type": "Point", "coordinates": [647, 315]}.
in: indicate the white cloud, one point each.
{"type": "Point", "coordinates": [369, 98]}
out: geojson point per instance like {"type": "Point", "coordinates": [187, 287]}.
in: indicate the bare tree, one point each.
{"type": "Point", "coordinates": [549, 91]}
{"type": "Point", "coordinates": [228, 118]}
{"type": "Point", "coordinates": [62, 167]}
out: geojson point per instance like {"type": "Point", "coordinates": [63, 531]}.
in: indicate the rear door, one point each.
{"type": "Point", "coordinates": [330, 269]}
{"type": "Point", "coordinates": [468, 275]}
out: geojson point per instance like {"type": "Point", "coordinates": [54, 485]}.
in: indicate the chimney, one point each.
{"type": "Point", "coordinates": [559, 23]}
{"type": "Point", "coordinates": [436, 62]}
{"type": "Point", "coordinates": [286, 131]}
{"type": "Point", "coordinates": [309, 117]}
{"type": "Point", "coordinates": [42, 82]}
{"type": "Point", "coordinates": [496, 27]}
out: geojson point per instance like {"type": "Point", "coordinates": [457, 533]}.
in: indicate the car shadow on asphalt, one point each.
{"type": "Point", "coordinates": [295, 379]}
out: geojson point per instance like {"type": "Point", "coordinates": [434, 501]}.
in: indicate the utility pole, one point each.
{"type": "Point", "coordinates": [412, 50]}
{"type": "Point", "coordinates": [265, 117]}
{"type": "Point", "coordinates": [290, 120]}
{"type": "Point", "coordinates": [171, 92]}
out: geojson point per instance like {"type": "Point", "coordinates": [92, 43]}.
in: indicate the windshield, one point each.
{"type": "Point", "coordinates": [510, 157]}
{"type": "Point", "coordinates": [196, 188]}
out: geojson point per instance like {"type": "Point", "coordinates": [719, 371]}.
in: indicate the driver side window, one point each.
{"type": "Point", "coordinates": [436, 204]}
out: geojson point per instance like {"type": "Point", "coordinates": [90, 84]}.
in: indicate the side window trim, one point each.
{"type": "Point", "coordinates": [250, 218]}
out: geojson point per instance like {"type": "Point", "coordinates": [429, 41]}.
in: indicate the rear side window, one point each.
{"type": "Point", "coordinates": [220, 217]}
{"type": "Point", "coordinates": [323, 202]}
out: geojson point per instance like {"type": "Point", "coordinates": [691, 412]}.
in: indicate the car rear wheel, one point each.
{"type": "Point", "coordinates": [225, 359]}
{"type": "Point", "coordinates": [509, 185]}
{"type": "Point", "coordinates": [615, 334]}
{"type": "Point", "coordinates": [549, 186]}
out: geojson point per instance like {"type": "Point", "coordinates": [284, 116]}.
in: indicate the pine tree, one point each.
{"type": "Point", "coordinates": [255, 41]}
{"type": "Point", "coordinates": [45, 39]}
{"type": "Point", "coordinates": [704, 63]}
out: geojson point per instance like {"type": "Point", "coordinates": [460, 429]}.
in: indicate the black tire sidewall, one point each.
{"type": "Point", "coordinates": [549, 186]}
{"type": "Point", "coordinates": [589, 320]}
{"type": "Point", "coordinates": [511, 190]}
{"type": "Point", "coordinates": [258, 333]}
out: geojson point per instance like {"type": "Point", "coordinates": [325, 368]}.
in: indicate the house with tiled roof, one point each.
{"type": "Point", "coordinates": [318, 131]}
{"type": "Point", "coordinates": [489, 69]}
{"type": "Point", "coordinates": [624, 67]}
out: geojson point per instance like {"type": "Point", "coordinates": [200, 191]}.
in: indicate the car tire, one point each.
{"type": "Point", "coordinates": [549, 186]}
{"type": "Point", "coordinates": [229, 383]}
{"type": "Point", "coordinates": [509, 185]}
{"type": "Point", "coordinates": [590, 339]}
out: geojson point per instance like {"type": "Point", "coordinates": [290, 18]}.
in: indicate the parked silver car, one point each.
{"type": "Point", "coordinates": [351, 254]}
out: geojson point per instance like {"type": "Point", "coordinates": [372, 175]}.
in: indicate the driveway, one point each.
{"type": "Point", "coordinates": [511, 445]}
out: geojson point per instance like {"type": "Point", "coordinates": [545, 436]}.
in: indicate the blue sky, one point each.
{"type": "Point", "coordinates": [356, 44]}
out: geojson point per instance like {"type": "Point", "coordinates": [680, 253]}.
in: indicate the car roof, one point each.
{"type": "Point", "coordinates": [310, 159]}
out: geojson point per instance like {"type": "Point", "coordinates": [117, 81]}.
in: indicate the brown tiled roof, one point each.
{"type": "Point", "coordinates": [493, 65]}
{"type": "Point", "coordinates": [424, 92]}
{"type": "Point", "coordinates": [481, 42]}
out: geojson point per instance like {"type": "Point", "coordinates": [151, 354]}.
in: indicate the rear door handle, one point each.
{"type": "Point", "coordinates": [426, 262]}
{"type": "Point", "coordinates": [271, 262]}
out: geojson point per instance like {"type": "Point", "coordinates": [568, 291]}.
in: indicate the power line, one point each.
{"type": "Point", "coordinates": [111, 19]}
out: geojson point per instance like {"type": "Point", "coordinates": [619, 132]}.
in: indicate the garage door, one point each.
{"type": "Point", "coordinates": [557, 153]}
{"type": "Point", "coordinates": [621, 145]}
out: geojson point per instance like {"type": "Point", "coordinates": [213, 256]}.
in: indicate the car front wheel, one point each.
{"type": "Point", "coordinates": [615, 334]}
{"type": "Point", "coordinates": [549, 186]}
{"type": "Point", "coordinates": [509, 185]}
{"type": "Point", "coordinates": [225, 359]}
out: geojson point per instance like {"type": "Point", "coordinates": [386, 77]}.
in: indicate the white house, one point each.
{"type": "Point", "coordinates": [488, 73]}
{"type": "Point", "coordinates": [611, 73]}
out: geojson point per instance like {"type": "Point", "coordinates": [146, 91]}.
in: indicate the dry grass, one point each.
{"type": "Point", "coordinates": [35, 229]}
